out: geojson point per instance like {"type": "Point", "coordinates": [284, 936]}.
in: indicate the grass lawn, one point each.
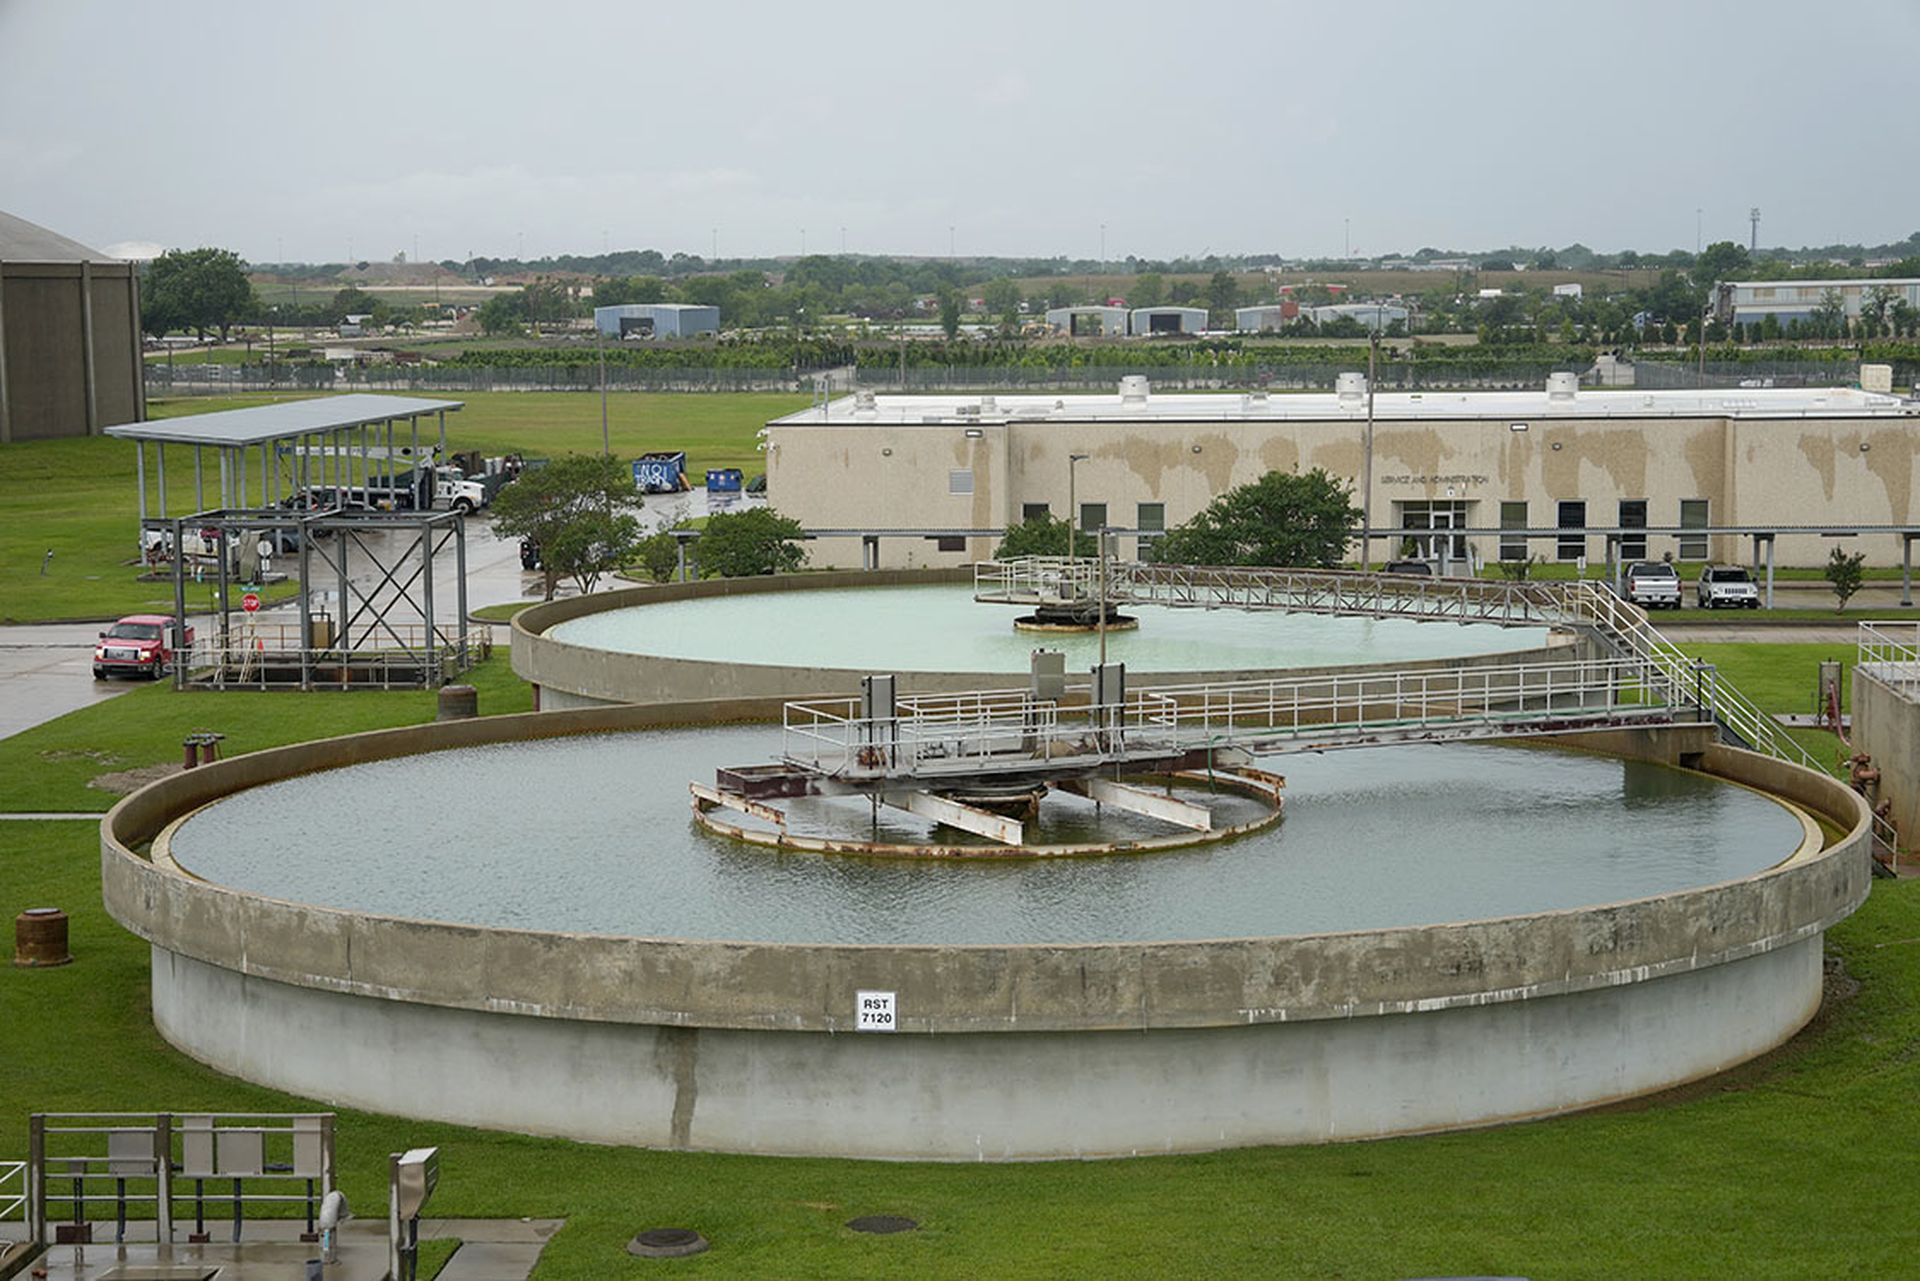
{"type": "Point", "coordinates": [1795, 1166]}
{"type": "Point", "coordinates": [49, 766]}
{"type": "Point", "coordinates": [78, 497]}
{"type": "Point", "coordinates": [503, 612]}
{"type": "Point", "coordinates": [1789, 1168]}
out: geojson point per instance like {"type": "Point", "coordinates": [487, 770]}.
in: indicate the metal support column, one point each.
{"type": "Point", "coordinates": [140, 474]}
{"type": "Point", "coordinates": [1906, 569]}
{"type": "Point", "coordinates": [199, 484]}
{"type": "Point", "coordinates": [340, 541]}
{"type": "Point", "coordinates": [306, 603]}
{"type": "Point", "coordinates": [430, 635]}
{"type": "Point", "coordinates": [1770, 541]}
{"type": "Point", "coordinates": [460, 582]}
{"type": "Point", "coordinates": [441, 451]}
{"type": "Point", "coordinates": [179, 605]}
{"type": "Point", "coordinates": [160, 460]}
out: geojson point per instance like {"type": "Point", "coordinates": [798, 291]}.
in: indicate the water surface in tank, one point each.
{"type": "Point", "coordinates": [594, 834]}
{"type": "Point", "coordinates": [943, 629]}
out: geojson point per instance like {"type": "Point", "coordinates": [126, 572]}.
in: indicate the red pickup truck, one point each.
{"type": "Point", "coordinates": [137, 645]}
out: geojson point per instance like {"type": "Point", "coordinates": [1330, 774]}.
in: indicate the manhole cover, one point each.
{"type": "Point", "coordinates": [667, 1243]}
{"type": "Point", "coordinates": [882, 1224]}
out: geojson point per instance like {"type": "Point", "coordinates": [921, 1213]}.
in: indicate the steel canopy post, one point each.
{"type": "Point", "coordinates": [460, 584]}
{"type": "Point", "coordinates": [1906, 569]}
{"type": "Point", "coordinates": [140, 474]}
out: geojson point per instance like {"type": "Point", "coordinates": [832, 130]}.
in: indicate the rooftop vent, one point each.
{"type": "Point", "coordinates": [1133, 391]}
{"type": "Point", "coordinates": [863, 406]}
{"type": "Point", "coordinates": [1351, 388]}
{"type": "Point", "coordinates": [1563, 387]}
{"type": "Point", "coordinates": [988, 405]}
{"type": "Point", "coordinates": [1254, 402]}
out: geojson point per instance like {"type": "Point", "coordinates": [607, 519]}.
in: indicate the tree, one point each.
{"type": "Point", "coordinates": [1845, 573]}
{"type": "Point", "coordinates": [1223, 295]}
{"type": "Point", "coordinates": [1002, 297]}
{"type": "Point", "coordinates": [1721, 260]}
{"type": "Point", "coordinates": [502, 314]}
{"type": "Point", "coordinates": [659, 554]}
{"type": "Point", "coordinates": [752, 542]}
{"type": "Point", "coordinates": [579, 510]}
{"type": "Point", "coordinates": [1149, 290]}
{"type": "Point", "coordinates": [1284, 518]}
{"type": "Point", "coordinates": [1044, 534]}
{"type": "Point", "coordinates": [200, 289]}
{"type": "Point", "coordinates": [950, 313]}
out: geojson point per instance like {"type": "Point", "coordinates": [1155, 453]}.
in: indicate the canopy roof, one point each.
{"type": "Point", "coordinates": [266, 423]}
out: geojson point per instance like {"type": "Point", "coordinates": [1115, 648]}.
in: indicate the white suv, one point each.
{"type": "Point", "coordinates": [1727, 585]}
{"type": "Point", "coordinates": [1652, 584]}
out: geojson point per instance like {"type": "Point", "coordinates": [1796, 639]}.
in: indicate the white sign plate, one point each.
{"type": "Point", "coordinates": [874, 1012]}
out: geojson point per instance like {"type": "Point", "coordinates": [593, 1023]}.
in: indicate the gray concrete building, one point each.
{"type": "Point", "coordinates": [69, 336]}
{"type": "Point", "coordinates": [656, 320]}
{"type": "Point", "coordinates": [1147, 321]}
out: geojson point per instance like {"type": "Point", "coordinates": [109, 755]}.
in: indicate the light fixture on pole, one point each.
{"type": "Point", "coordinates": [1366, 467]}
{"type": "Point", "coordinates": [1073, 511]}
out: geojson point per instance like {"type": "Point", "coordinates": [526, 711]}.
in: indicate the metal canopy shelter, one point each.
{"type": "Point", "coordinates": [384, 630]}
{"type": "Point", "coordinates": [302, 445]}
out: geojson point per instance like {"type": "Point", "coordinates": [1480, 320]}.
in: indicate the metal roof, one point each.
{"type": "Point", "coordinates": [23, 241]}
{"type": "Point", "coordinates": [264, 423]}
{"type": "Point", "coordinates": [1502, 406]}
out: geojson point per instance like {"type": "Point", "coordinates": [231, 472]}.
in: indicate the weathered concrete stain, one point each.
{"type": "Point", "coordinates": [1819, 452]}
{"type": "Point", "coordinates": [676, 1057]}
{"type": "Point", "coordinates": [1889, 457]}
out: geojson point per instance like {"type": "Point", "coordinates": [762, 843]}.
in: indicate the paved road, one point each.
{"type": "Point", "coordinates": [46, 670]}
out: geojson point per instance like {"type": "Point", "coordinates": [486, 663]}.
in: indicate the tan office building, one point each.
{"type": "Point", "coordinates": [934, 473]}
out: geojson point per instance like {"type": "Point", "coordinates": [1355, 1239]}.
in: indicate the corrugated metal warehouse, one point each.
{"type": "Point", "coordinates": [1147, 321]}
{"type": "Point", "coordinates": [656, 320]}
{"type": "Point", "coordinates": [69, 336]}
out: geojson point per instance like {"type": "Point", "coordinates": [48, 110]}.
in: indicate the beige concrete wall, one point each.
{"type": "Point", "coordinates": [1886, 724]}
{"type": "Point", "coordinates": [571, 676]}
{"type": "Point", "coordinates": [1789, 471]}
{"type": "Point", "coordinates": [43, 346]}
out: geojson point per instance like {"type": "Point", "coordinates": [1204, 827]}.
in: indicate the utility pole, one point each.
{"type": "Point", "coordinates": [1366, 467]}
{"type": "Point", "coordinates": [600, 350]}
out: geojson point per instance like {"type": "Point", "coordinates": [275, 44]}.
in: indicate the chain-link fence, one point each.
{"type": "Point", "coordinates": [1480, 375]}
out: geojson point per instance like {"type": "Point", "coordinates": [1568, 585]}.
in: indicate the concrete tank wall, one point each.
{"type": "Point", "coordinates": [1003, 1051]}
{"type": "Point", "coordinates": [1886, 725]}
{"type": "Point", "coordinates": [575, 676]}
{"type": "Point", "coordinates": [988, 1096]}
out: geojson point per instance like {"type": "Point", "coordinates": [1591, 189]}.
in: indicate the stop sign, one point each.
{"type": "Point", "coordinates": [250, 602]}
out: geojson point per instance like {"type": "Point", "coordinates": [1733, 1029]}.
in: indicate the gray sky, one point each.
{"type": "Point", "coordinates": [299, 130]}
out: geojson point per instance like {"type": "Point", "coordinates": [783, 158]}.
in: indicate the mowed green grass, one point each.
{"type": "Point", "coordinates": [1793, 1167]}
{"type": "Point", "coordinates": [79, 497]}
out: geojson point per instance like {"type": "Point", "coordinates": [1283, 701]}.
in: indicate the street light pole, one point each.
{"type": "Point", "coordinates": [1366, 469]}
{"type": "Point", "coordinates": [600, 350]}
{"type": "Point", "coordinates": [1073, 510]}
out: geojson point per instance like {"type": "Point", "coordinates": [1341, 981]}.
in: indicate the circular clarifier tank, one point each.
{"type": "Point", "coordinates": [943, 629]}
{"type": "Point", "coordinates": [516, 922]}
{"type": "Point", "coordinates": [601, 842]}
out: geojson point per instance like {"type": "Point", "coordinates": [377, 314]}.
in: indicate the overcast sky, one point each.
{"type": "Point", "coordinates": [310, 131]}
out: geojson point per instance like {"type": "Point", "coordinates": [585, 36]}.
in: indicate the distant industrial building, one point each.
{"type": "Point", "coordinates": [1148, 321]}
{"type": "Point", "coordinates": [1749, 302]}
{"type": "Point", "coordinates": [1089, 322]}
{"type": "Point", "coordinates": [69, 336]}
{"type": "Point", "coordinates": [1570, 289]}
{"type": "Point", "coordinates": [656, 320]}
{"type": "Point", "coordinates": [1269, 316]}
{"type": "Point", "coordinates": [938, 475]}
{"type": "Point", "coordinates": [1375, 316]}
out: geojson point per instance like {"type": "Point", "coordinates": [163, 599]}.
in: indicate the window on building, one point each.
{"type": "Point", "coordinates": [1693, 515]}
{"type": "Point", "coordinates": [1513, 516]}
{"type": "Point", "coordinates": [1034, 511]}
{"type": "Point", "coordinates": [950, 543]}
{"type": "Point", "coordinates": [1572, 515]}
{"type": "Point", "coordinates": [960, 481]}
{"type": "Point", "coordinates": [1763, 295]}
{"type": "Point", "coordinates": [1633, 515]}
{"type": "Point", "coordinates": [1093, 515]}
{"type": "Point", "coordinates": [1151, 521]}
